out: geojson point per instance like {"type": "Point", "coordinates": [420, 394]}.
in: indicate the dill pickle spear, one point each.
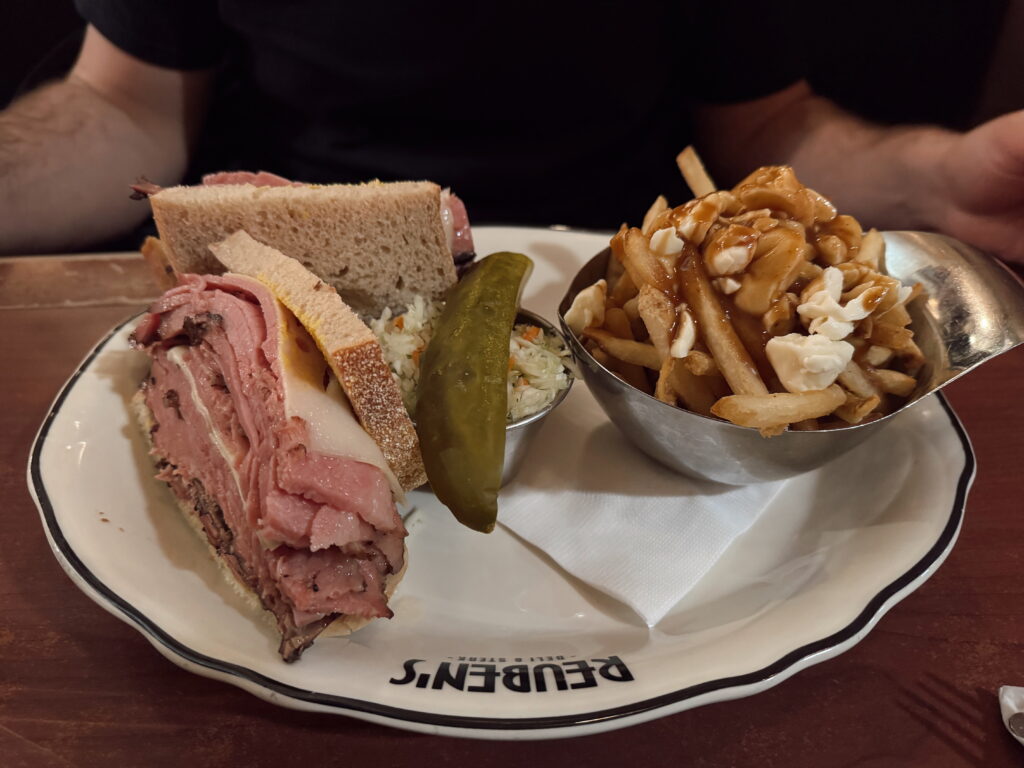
{"type": "Point", "coordinates": [463, 394]}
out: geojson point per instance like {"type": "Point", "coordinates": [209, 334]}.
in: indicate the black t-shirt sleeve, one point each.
{"type": "Point", "coordinates": [177, 34]}
{"type": "Point", "coordinates": [746, 50]}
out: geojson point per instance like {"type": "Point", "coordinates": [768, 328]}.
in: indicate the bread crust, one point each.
{"type": "Point", "coordinates": [348, 345]}
{"type": "Point", "coordinates": [377, 403]}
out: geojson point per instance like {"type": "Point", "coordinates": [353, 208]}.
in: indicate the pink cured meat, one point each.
{"type": "Point", "coordinates": [258, 179]}
{"type": "Point", "coordinates": [461, 241]}
{"type": "Point", "coordinates": [314, 535]}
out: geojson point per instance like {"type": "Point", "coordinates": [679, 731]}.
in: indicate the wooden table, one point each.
{"type": "Point", "coordinates": [79, 687]}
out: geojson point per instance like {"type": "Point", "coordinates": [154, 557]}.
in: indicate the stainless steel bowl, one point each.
{"type": "Point", "coordinates": [520, 435]}
{"type": "Point", "coordinates": [974, 310]}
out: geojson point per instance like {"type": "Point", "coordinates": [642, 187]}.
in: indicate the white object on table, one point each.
{"type": "Point", "coordinates": [1011, 702]}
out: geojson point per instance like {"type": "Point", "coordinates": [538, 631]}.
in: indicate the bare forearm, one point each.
{"type": "Point", "coordinates": [68, 151]}
{"type": "Point", "coordinates": [67, 155]}
{"type": "Point", "coordinates": [884, 176]}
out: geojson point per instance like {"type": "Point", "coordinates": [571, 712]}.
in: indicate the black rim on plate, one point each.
{"type": "Point", "coordinates": [345, 704]}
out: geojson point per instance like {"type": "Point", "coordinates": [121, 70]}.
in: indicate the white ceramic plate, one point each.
{"type": "Point", "coordinates": [490, 638]}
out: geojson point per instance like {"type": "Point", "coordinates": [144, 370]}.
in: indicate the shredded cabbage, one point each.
{"type": "Point", "coordinates": [537, 360]}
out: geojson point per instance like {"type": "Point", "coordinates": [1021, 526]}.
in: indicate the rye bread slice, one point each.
{"type": "Point", "coordinates": [378, 244]}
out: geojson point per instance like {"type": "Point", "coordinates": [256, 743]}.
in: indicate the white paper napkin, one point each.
{"type": "Point", "coordinates": [616, 519]}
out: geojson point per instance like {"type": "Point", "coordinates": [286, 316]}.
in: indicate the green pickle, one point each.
{"type": "Point", "coordinates": [463, 395]}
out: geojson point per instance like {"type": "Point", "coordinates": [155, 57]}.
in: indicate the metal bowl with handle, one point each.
{"type": "Point", "coordinates": [972, 311]}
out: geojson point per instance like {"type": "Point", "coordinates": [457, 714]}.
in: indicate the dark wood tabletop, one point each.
{"type": "Point", "coordinates": [79, 687]}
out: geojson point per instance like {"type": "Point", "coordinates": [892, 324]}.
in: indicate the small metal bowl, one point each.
{"type": "Point", "coordinates": [973, 311]}
{"type": "Point", "coordinates": [519, 435]}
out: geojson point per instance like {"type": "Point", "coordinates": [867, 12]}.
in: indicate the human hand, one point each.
{"type": "Point", "coordinates": [981, 187]}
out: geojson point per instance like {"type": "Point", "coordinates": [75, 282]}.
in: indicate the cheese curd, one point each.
{"type": "Point", "coordinates": [726, 285]}
{"type": "Point", "coordinates": [686, 333]}
{"type": "Point", "coordinates": [588, 307]}
{"type": "Point", "coordinates": [822, 312]}
{"type": "Point", "coordinates": [807, 363]}
{"type": "Point", "coordinates": [666, 246]}
{"type": "Point", "coordinates": [665, 242]}
{"type": "Point", "coordinates": [729, 261]}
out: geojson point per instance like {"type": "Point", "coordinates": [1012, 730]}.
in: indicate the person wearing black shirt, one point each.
{"type": "Point", "coordinates": [567, 113]}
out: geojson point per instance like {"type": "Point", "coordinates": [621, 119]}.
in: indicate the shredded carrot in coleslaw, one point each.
{"type": "Point", "coordinates": [531, 333]}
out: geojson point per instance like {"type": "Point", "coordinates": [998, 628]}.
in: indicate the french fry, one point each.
{"type": "Point", "coordinates": [855, 380]}
{"type": "Point", "coordinates": [695, 392]}
{"type": "Point", "coordinates": [832, 250]}
{"type": "Point", "coordinates": [808, 273]}
{"type": "Point", "coordinates": [858, 289]}
{"type": "Point", "coordinates": [893, 382]}
{"type": "Point", "coordinates": [719, 386]}
{"type": "Point", "coordinates": [871, 296]}
{"type": "Point", "coordinates": [695, 220]}
{"type": "Point", "coordinates": [632, 310]}
{"type": "Point", "coordinates": [856, 408]}
{"type": "Point", "coordinates": [601, 356]}
{"type": "Point", "coordinates": [625, 350]}
{"type": "Point", "coordinates": [631, 374]}
{"type": "Point", "coordinates": [754, 337]}
{"type": "Point", "coordinates": [663, 390]}
{"type": "Point", "coordinates": [694, 173]}
{"type": "Point", "coordinates": [872, 251]}
{"type": "Point", "coordinates": [759, 219]}
{"type": "Point", "coordinates": [864, 328]}
{"type": "Point", "coordinates": [854, 274]}
{"type": "Point", "coordinates": [912, 357]}
{"type": "Point", "coordinates": [889, 335]}
{"type": "Point", "coordinates": [659, 316]}
{"type": "Point", "coordinates": [617, 243]}
{"type": "Point", "coordinates": [730, 355]}
{"type": "Point", "coordinates": [624, 290]}
{"type": "Point", "coordinates": [642, 265]}
{"type": "Point", "coordinates": [878, 357]}
{"type": "Point", "coordinates": [658, 207]}
{"type": "Point", "coordinates": [776, 187]}
{"type": "Point", "coordinates": [700, 363]}
{"type": "Point", "coordinates": [613, 271]}
{"type": "Point", "coordinates": [897, 315]}
{"type": "Point", "coordinates": [892, 291]}
{"type": "Point", "coordinates": [777, 262]}
{"type": "Point", "coordinates": [767, 411]}
{"type": "Point", "coordinates": [839, 240]}
{"type": "Point", "coordinates": [822, 209]}
{"type": "Point", "coordinates": [780, 318]}
{"type": "Point", "coordinates": [617, 321]}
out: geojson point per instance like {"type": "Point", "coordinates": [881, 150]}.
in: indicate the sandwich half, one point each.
{"type": "Point", "coordinates": [379, 244]}
{"type": "Point", "coordinates": [285, 444]}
